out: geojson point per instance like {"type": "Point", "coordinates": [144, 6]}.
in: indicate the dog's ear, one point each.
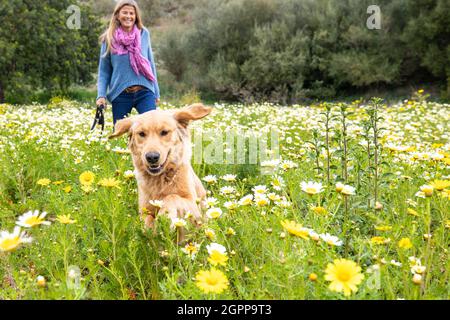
{"type": "Point", "coordinates": [193, 112]}
{"type": "Point", "coordinates": [121, 127]}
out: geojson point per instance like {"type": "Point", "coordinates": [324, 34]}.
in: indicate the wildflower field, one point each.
{"type": "Point", "coordinates": [356, 206]}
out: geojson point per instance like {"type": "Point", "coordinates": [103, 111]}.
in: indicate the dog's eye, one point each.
{"type": "Point", "coordinates": [164, 132]}
{"type": "Point", "coordinates": [142, 134]}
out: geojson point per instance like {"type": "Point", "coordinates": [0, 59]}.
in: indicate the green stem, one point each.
{"type": "Point", "coordinates": [428, 254]}
{"type": "Point", "coordinates": [345, 225]}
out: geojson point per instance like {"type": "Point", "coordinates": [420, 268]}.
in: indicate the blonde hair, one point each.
{"type": "Point", "coordinates": [114, 22]}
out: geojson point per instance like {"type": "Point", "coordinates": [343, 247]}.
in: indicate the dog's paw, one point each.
{"type": "Point", "coordinates": [181, 208]}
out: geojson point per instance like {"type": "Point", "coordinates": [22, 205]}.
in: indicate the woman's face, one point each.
{"type": "Point", "coordinates": [127, 17]}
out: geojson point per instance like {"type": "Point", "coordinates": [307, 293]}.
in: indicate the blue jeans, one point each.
{"type": "Point", "coordinates": [143, 100]}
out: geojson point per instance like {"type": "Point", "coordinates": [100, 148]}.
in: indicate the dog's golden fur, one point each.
{"type": "Point", "coordinates": [173, 181]}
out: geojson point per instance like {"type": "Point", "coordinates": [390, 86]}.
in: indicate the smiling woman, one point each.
{"type": "Point", "coordinates": [127, 72]}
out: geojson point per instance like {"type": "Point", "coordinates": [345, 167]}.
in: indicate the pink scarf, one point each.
{"type": "Point", "coordinates": [130, 42]}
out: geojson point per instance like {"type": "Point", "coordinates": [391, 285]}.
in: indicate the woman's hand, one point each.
{"type": "Point", "coordinates": [157, 100]}
{"type": "Point", "coordinates": [101, 101]}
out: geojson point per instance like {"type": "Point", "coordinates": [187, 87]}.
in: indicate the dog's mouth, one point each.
{"type": "Point", "coordinates": [157, 169]}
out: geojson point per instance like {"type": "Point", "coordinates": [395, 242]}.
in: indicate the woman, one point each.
{"type": "Point", "coordinates": [126, 64]}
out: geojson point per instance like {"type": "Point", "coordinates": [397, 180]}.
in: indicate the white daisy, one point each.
{"type": "Point", "coordinates": [311, 187]}
{"type": "Point", "coordinates": [156, 203]}
{"type": "Point", "coordinates": [227, 190]}
{"type": "Point", "coordinates": [128, 174]}
{"type": "Point", "coordinates": [214, 213]}
{"type": "Point", "coordinates": [210, 202]}
{"type": "Point", "coordinates": [10, 241]}
{"type": "Point", "coordinates": [331, 240]}
{"type": "Point", "coordinates": [216, 247]}
{"type": "Point", "coordinates": [230, 205]}
{"type": "Point", "coordinates": [259, 189]}
{"type": "Point", "coordinates": [261, 200]}
{"type": "Point", "coordinates": [178, 222]}
{"type": "Point", "coordinates": [210, 179]}
{"type": "Point", "coordinates": [277, 183]}
{"type": "Point", "coordinates": [229, 177]}
{"type": "Point", "coordinates": [32, 218]}
{"type": "Point", "coordinates": [247, 200]}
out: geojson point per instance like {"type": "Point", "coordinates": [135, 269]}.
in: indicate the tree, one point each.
{"type": "Point", "coordinates": [38, 49]}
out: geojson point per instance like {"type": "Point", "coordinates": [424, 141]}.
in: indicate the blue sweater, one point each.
{"type": "Point", "coordinates": [115, 71]}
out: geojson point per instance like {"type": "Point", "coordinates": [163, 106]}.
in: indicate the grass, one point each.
{"type": "Point", "coordinates": [107, 253]}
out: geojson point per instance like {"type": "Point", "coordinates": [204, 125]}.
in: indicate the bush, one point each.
{"type": "Point", "coordinates": [286, 50]}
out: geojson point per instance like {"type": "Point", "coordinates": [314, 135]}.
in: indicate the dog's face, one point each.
{"type": "Point", "coordinates": [157, 139]}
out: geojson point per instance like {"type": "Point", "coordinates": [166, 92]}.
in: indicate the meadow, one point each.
{"type": "Point", "coordinates": [355, 207]}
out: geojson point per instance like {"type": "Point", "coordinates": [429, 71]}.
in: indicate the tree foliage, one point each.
{"type": "Point", "coordinates": [284, 50]}
{"type": "Point", "coordinates": [38, 49]}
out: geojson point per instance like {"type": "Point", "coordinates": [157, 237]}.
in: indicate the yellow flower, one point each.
{"type": "Point", "coordinates": [40, 281]}
{"type": "Point", "coordinates": [313, 277]}
{"type": "Point", "coordinates": [344, 275]}
{"type": "Point", "coordinates": [65, 219]}
{"type": "Point", "coordinates": [87, 189]}
{"type": "Point", "coordinates": [296, 229]}
{"type": "Point", "coordinates": [58, 182]}
{"type": "Point", "coordinates": [87, 178]}
{"type": "Point", "coordinates": [217, 258]}
{"type": "Point", "coordinates": [217, 254]}
{"type": "Point", "coordinates": [191, 249]}
{"type": "Point", "coordinates": [379, 240]}
{"type": "Point", "coordinates": [417, 278]}
{"type": "Point", "coordinates": [446, 193]}
{"type": "Point", "coordinates": [230, 232]}
{"type": "Point", "coordinates": [210, 234]}
{"type": "Point", "coordinates": [383, 228]}
{"type": "Point", "coordinates": [319, 210]}
{"type": "Point", "coordinates": [405, 243]}
{"type": "Point", "coordinates": [440, 185]}
{"type": "Point", "coordinates": [11, 241]}
{"type": "Point", "coordinates": [412, 212]}
{"type": "Point", "coordinates": [211, 281]}
{"type": "Point", "coordinates": [67, 189]}
{"type": "Point", "coordinates": [110, 183]}
{"type": "Point", "coordinates": [44, 182]}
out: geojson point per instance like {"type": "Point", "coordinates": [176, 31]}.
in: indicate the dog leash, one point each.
{"type": "Point", "coordinates": [99, 117]}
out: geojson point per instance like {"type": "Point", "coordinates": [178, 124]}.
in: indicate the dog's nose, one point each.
{"type": "Point", "coordinates": [152, 157]}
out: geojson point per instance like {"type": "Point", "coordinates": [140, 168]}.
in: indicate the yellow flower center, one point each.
{"type": "Point", "coordinates": [9, 244]}
{"type": "Point", "coordinates": [343, 275]}
{"type": "Point", "coordinates": [32, 221]}
{"type": "Point", "coordinates": [211, 281]}
{"type": "Point", "coordinates": [310, 190]}
{"type": "Point", "coordinates": [215, 214]}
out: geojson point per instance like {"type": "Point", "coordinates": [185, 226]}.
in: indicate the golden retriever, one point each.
{"type": "Point", "coordinates": [160, 145]}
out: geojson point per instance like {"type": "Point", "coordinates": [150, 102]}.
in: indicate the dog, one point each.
{"type": "Point", "coordinates": [160, 145]}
